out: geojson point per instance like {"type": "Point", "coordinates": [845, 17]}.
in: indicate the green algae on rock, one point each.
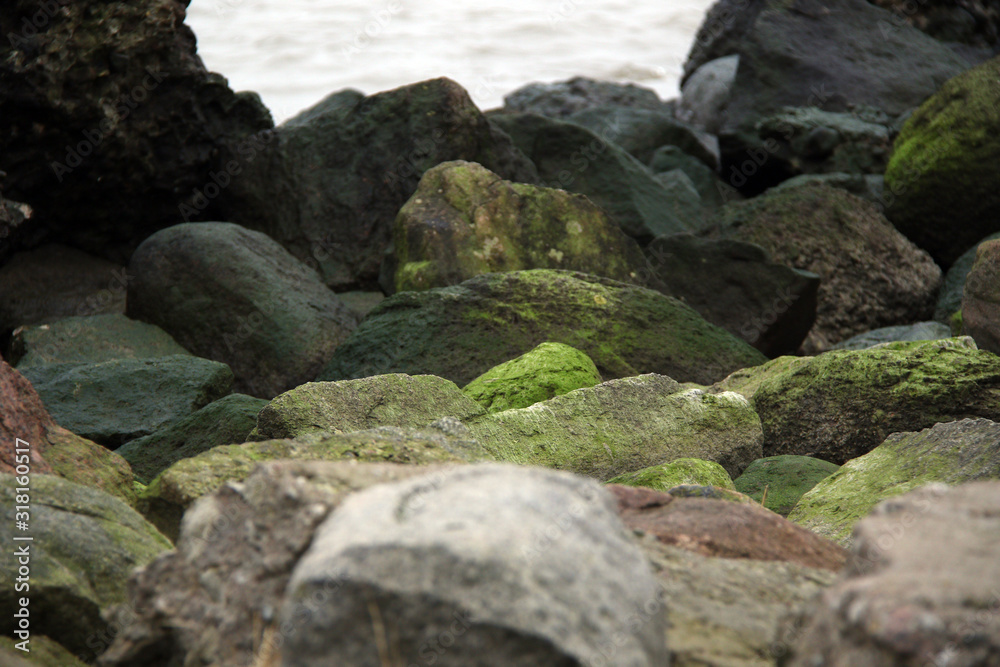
{"type": "Point", "coordinates": [551, 369]}
{"type": "Point", "coordinates": [785, 478]}
{"type": "Point", "coordinates": [685, 471]}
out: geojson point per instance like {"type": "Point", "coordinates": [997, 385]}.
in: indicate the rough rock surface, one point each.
{"type": "Point", "coordinates": [903, 333]}
{"type": "Point", "coordinates": [462, 331]}
{"type": "Point", "coordinates": [666, 476]}
{"type": "Point", "coordinates": [705, 94]}
{"type": "Point", "coordinates": [564, 98]}
{"type": "Point", "coordinates": [953, 287]}
{"type": "Point", "coordinates": [623, 426]}
{"type": "Point", "coordinates": [712, 192]}
{"type": "Point", "coordinates": [45, 652]}
{"type": "Point", "coordinates": [785, 478]}
{"type": "Point", "coordinates": [922, 585]}
{"type": "Point", "coordinates": [950, 453]}
{"type": "Point", "coordinates": [981, 300]}
{"type": "Point", "coordinates": [974, 22]}
{"type": "Point", "coordinates": [234, 295]}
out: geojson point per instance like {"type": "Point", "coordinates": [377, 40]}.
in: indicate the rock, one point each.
{"type": "Point", "coordinates": [719, 35]}
{"type": "Point", "coordinates": [54, 282]}
{"type": "Point", "coordinates": [665, 476]}
{"type": "Point", "coordinates": [183, 614]}
{"type": "Point", "coordinates": [44, 652]}
{"type": "Point", "coordinates": [52, 449]}
{"type": "Point", "coordinates": [942, 198]}
{"type": "Point", "coordinates": [981, 303]}
{"type": "Point", "coordinates": [871, 275]}
{"type": "Point", "coordinates": [460, 332]}
{"type": "Point", "coordinates": [704, 179]}
{"type": "Point", "coordinates": [464, 221]}
{"type": "Point", "coordinates": [106, 146]}
{"type": "Point", "coordinates": [728, 530]}
{"type": "Point", "coordinates": [471, 558]}
{"type": "Point", "coordinates": [335, 176]}
{"type": "Point", "coordinates": [685, 198]}
{"type": "Point", "coordinates": [356, 405]}
{"type": "Point", "coordinates": [713, 492]}
{"type": "Point", "coordinates": [221, 422]}
{"type": "Point", "coordinates": [85, 543]}
{"type": "Point", "coordinates": [922, 585]}
{"type": "Point", "coordinates": [564, 98]}
{"type": "Point", "coordinates": [361, 302]}
{"type": "Point", "coordinates": [866, 186]}
{"type": "Point", "coordinates": [705, 94]}
{"type": "Point", "coordinates": [784, 478]}
{"type": "Point", "coordinates": [90, 339]}
{"type": "Point", "coordinates": [975, 23]}
{"type": "Point", "coordinates": [550, 369]}
{"type": "Point", "coordinates": [953, 287]}
{"type": "Point", "coordinates": [951, 453]}
{"type": "Point", "coordinates": [842, 404]}
{"type": "Point", "coordinates": [571, 157]}
{"type": "Point", "coordinates": [14, 225]}
{"type": "Point", "coordinates": [176, 488]}
{"type": "Point", "coordinates": [736, 286]}
{"type": "Point", "coordinates": [115, 401]}
{"type": "Point", "coordinates": [234, 295]}
{"type": "Point", "coordinates": [906, 332]}
{"type": "Point", "coordinates": [623, 426]}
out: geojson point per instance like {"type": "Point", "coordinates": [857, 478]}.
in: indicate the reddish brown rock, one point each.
{"type": "Point", "coordinates": [712, 527]}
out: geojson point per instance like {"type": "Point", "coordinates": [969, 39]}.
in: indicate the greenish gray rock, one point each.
{"type": "Point", "coordinates": [623, 426]}
{"type": "Point", "coordinates": [356, 405]}
{"type": "Point", "coordinates": [462, 331]}
{"type": "Point", "coordinates": [784, 478]}
{"type": "Point", "coordinates": [905, 332]}
{"type": "Point", "coordinates": [90, 339]}
{"type": "Point", "coordinates": [684, 196]}
{"type": "Point", "coordinates": [951, 453]}
{"type": "Point", "coordinates": [551, 369]}
{"type": "Point", "coordinates": [705, 180]}
{"type": "Point", "coordinates": [44, 652]}
{"type": "Point", "coordinates": [236, 296]}
{"type": "Point", "coordinates": [464, 221]}
{"type": "Point", "coordinates": [222, 422]}
{"type": "Point", "coordinates": [361, 302]}
{"type": "Point", "coordinates": [869, 187]}
{"type": "Point", "coordinates": [678, 472]}
{"type": "Point", "coordinates": [952, 289]}
{"type": "Point", "coordinates": [944, 197]}
{"type": "Point", "coordinates": [981, 298]}
{"type": "Point", "coordinates": [85, 544]}
{"type": "Point", "coordinates": [840, 405]}
{"type": "Point", "coordinates": [564, 98]}
{"type": "Point", "coordinates": [115, 401]}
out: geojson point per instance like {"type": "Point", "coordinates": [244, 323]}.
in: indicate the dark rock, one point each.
{"type": "Point", "coordinates": [564, 98]}
{"type": "Point", "coordinates": [865, 186]}
{"type": "Point", "coordinates": [707, 183]}
{"type": "Point", "coordinates": [721, 32]}
{"type": "Point", "coordinates": [13, 216]}
{"type": "Point", "coordinates": [972, 22]}
{"type": "Point", "coordinates": [953, 288]}
{"type": "Point", "coordinates": [981, 303]}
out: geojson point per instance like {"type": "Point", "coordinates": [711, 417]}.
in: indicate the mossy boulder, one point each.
{"type": "Point", "coordinates": [905, 332]}
{"type": "Point", "coordinates": [785, 478]}
{"type": "Point", "coordinates": [222, 422]}
{"type": "Point", "coordinates": [551, 369]}
{"type": "Point", "coordinates": [623, 426]}
{"type": "Point", "coordinates": [396, 399]}
{"type": "Point", "coordinates": [950, 453]}
{"type": "Point", "coordinates": [464, 221]}
{"type": "Point", "coordinates": [462, 331]}
{"type": "Point", "coordinates": [676, 473]}
{"type": "Point", "coordinates": [942, 172]}
{"type": "Point", "coordinates": [842, 404]}
{"type": "Point", "coordinates": [85, 544]}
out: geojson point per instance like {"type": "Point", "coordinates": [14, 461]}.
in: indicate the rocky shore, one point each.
{"type": "Point", "coordinates": [591, 379]}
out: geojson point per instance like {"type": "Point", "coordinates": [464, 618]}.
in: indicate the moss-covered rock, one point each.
{"type": "Point", "coordinates": [551, 369]}
{"type": "Point", "coordinates": [462, 331]}
{"type": "Point", "coordinates": [623, 426]}
{"type": "Point", "coordinates": [355, 405]}
{"type": "Point", "coordinates": [952, 453]}
{"type": "Point", "coordinates": [44, 652]}
{"type": "Point", "coordinates": [464, 221]}
{"type": "Point", "coordinates": [942, 171]}
{"type": "Point", "coordinates": [784, 478]}
{"type": "Point", "coordinates": [85, 544]}
{"type": "Point", "coordinates": [905, 332]}
{"type": "Point", "coordinates": [676, 473]}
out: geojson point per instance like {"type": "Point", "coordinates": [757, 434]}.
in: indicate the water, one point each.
{"type": "Point", "coordinates": [295, 52]}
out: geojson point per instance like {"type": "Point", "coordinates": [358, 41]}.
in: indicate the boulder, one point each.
{"type": "Point", "coordinates": [234, 295]}
{"type": "Point", "coordinates": [85, 543]}
{"type": "Point", "coordinates": [571, 157]}
{"type": "Point", "coordinates": [943, 198]}
{"type": "Point", "coordinates": [705, 94]}
{"type": "Point", "coordinates": [719, 35]}
{"type": "Point", "coordinates": [222, 422]}
{"type": "Point", "coordinates": [950, 453]}
{"type": "Point", "coordinates": [872, 276]}
{"type": "Point", "coordinates": [551, 369]}
{"type": "Point", "coordinates": [90, 339]}
{"type": "Point", "coordinates": [482, 565]}
{"type": "Point", "coordinates": [711, 190]}
{"type": "Point", "coordinates": [14, 225]}
{"type": "Point", "coordinates": [784, 478]}
{"type": "Point", "coordinates": [622, 426]}
{"type": "Point", "coordinates": [736, 286]}
{"type": "Point", "coordinates": [922, 586]}
{"type": "Point", "coordinates": [975, 23]}
{"type": "Point", "coordinates": [460, 332]}
{"type": "Point", "coordinates": [464, 221]}
{"type": "Point", "coordinates": [981, 302]}
{"type": "Point", "coordinates": [356, 405]}
{"type": "Point", "coordinates": [115, 401]}
{"type": "Point", "coordinates": [665, 476]}
{"type": "Point", "coordinates": [905, 333]}
{"type": "Point", "coordinates": [685, 199]}
{"type": "Point", "coordinates": [953, 287]}
{"type": "Point", "coordinates": [866, 186]}
{"type": "Point", "coordinates": [44, 652]}
{"type": "Point", "coordinates": [335, 176]}
{"type": "Point", "coordinates": [564, 98]}
{"type": "Point", "coordinates": [840, 405]}
{"type": "Point", "coordinates": [106, 145]}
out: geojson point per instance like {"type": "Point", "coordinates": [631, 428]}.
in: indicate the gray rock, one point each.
{"type": "Point", "coordinates": [950, 297]}
{"type": "Point", "coordinates": [869, 187]}
{"type": "Point", "coordinates": [488, 565]}
{"type": "Point", "coordinates": [720, 32]}
{"type": "Point", "coordinates": [705, 94]}
{"type": "Point", "coordinates": [564, 98]}
{"type": "Point", "coordinates": [905, 332]}
{"type": "Point", "coordinates": [712, 191]}
{"type": "Point", "coordinates": [685, 200]}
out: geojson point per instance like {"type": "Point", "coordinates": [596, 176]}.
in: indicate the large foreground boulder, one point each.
{"type": "Point", "coordinates": [460, 332]}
